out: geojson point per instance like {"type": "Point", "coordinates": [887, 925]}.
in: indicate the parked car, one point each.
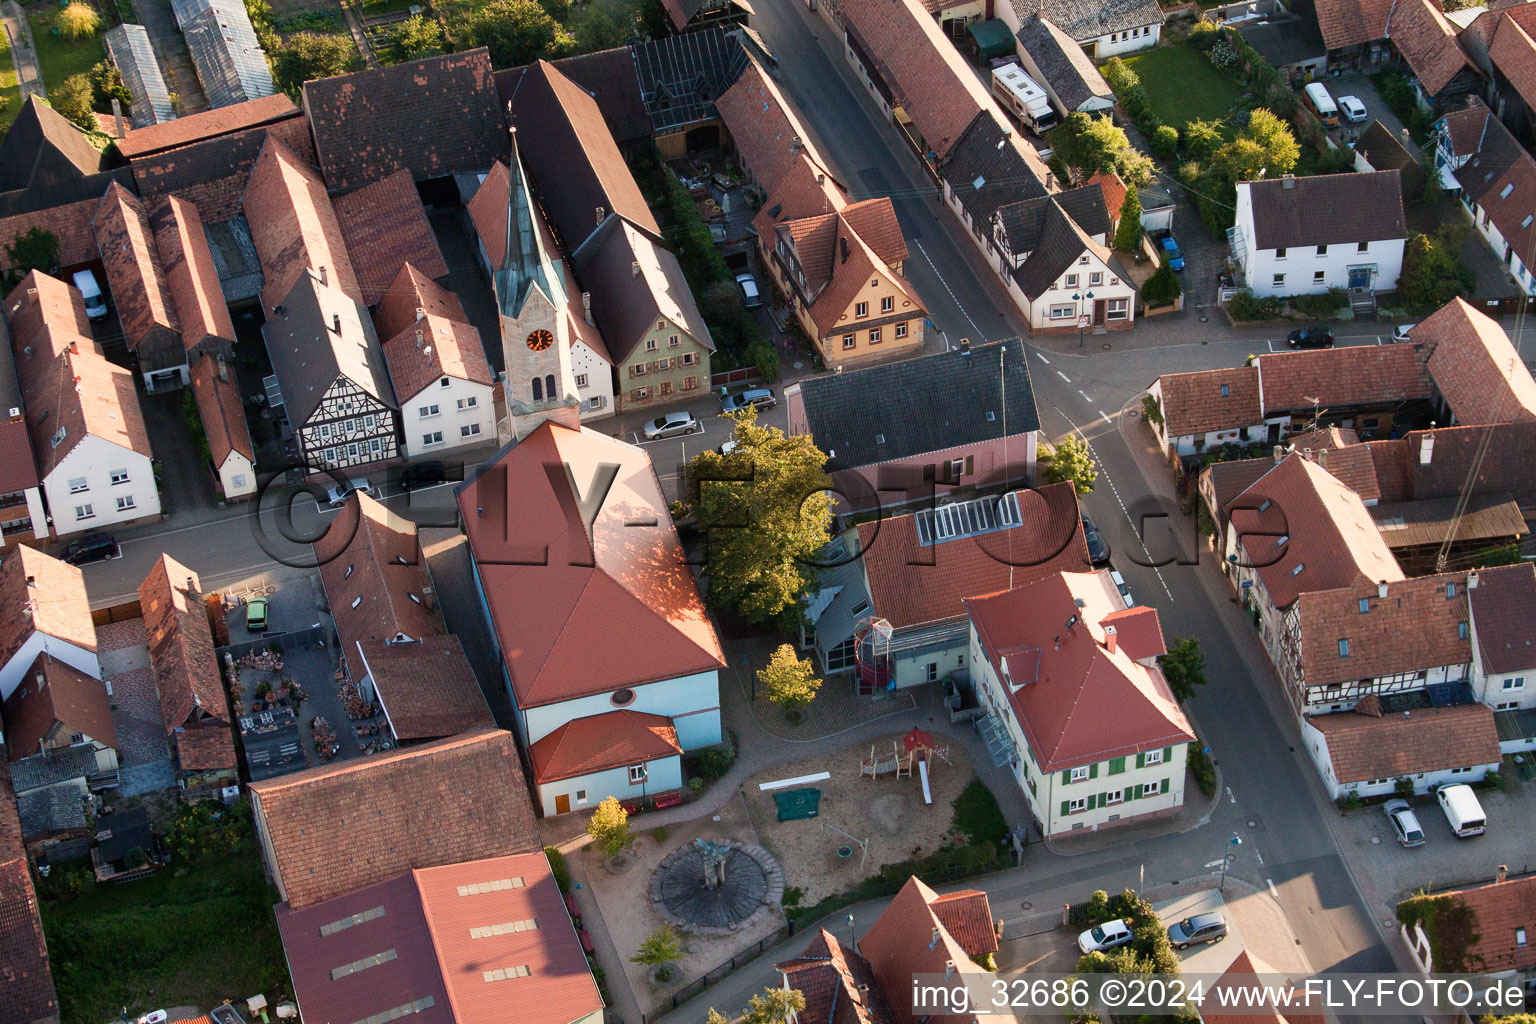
{"type": "Point", "coordinates": [337, 495]}
{"type": "Point", "coordinates": [1311, 336]}
{"type": "Point", "coordinates": [1405, 824]}
{"type": "Point", "coordinates": [757, 398]}
{"type": "Point", "coordinates": [1172, 253]}
{"type": "Point", "coordinates": [1098, 551]}
{"type": "Point", "coordinates": [1192, 931]}
{"type": "Point", "coordinates": [256, 614]}
{"type": "Point", "coordinates": [1352, 109]}
{"type": "Point", "coordinates": [1462, 810]}
{"type": "Point", "coordinates": [751, 296]}
{"type": "Point", "coordinates": [1109, 935]}
{"type": "Point", "coordinates": [672, 424]}
{"type": "Point", "coordinates": [422, 474]}
{"type": "Point", "coordinates": [95, 303]}
{"type": "Point", "coordinates": [1400, 332]}
{"type": "Point", "coordinates": [93, 547]}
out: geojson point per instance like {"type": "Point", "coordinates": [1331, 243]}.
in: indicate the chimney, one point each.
{"type": "Point", "coordinates": [420, 313]}
{"type": "Point", "coordinates": [634, 268]}
{"type": "Point", "coordinates": [1111, 639]}
{"type": "Point", "coordinates": [322, 276]}
{"type": "Point", "coordinates": [842, 244]}
{"type": "Point", "coordinates": [965, 346]}
{"type": "Point", "coordinates": [1288, 182]}
{"type": "Point", "coordinates": [1381, 590]}
{"type": "Point", "coordinates": [1322, 458]}
{"type": "Point", "coordinates": [586, 306]}
{"type": "Point", "coordinates": [421, 338]}
{"type": "Point", "coordinates": [949, 968]}
{"type": "Point", "coordinates": [428, 598]}
{"type": "Point", "coordinates": [336, 322]}
{"type": "Point", "coordinates": [117, 117]}
{"type": "Point", "coordinates": [74, 350]}
{"type": "Point", "coordinates": [1472, 581]}
{"type": "Point", "coordinates": [1279, 453]}
{"type": "Point", "coordinates": [598, 216]}
{"type": "Point", "coordinates": [1503, 872]}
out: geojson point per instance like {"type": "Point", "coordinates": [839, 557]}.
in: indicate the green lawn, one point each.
{"type": "Point", "coordinates": [185, 935]}
{"type": "Point", "coordinates": [62, 57]}
{"type": "Point", "coordinates": [1183, 87]}
{"type": "Point", "coordinates": [10, 94]}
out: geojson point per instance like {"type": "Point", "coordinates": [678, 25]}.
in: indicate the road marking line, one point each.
{"type": "Point", "coordinates": [1215, 863]}
{"type": "Point", "coordinates": [1272, 890]}
{"type": "Point", "coordinates": [947, 288]}
{"type": "Point", "coordinates": [1230, 798]}
{"type": "Point", "coordinates": [1064, 377]}
{"type": "Point", "coordinates": [1084, 394]}
{"type": "Point", "coordinates": [1259, 855]}
{"type": "Point", "coordinates": [1044, 360]}
{"type": "Point", "coordinates": [1105, 417]}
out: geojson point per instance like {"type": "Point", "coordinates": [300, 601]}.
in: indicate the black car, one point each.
{"type": "Point", "coordinates": [1098, 551]}
{"type": "Point", "coordinates": [1311, 336]}
{"type": "Point", "coordinates": [422, 474]}
{"type": "Point", "coordinates": [93, 547]}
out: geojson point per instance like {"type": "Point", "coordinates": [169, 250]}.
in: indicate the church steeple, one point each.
{"type": "Point", "coordinates": [524, 263]}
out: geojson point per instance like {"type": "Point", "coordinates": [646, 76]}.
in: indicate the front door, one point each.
{"type": "Point", "coordinates": [1359, 277]}
{"type": "Point", "coordinates": [1099, 306]}
{"type": "Point", "coordinates": [562, 803]}
{"type": "Point", "coordinates": [1274, 433]}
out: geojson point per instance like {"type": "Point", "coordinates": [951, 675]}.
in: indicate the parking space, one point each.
{"type": "Point", "coordinates": [1376, 109]}
{"type": "Point", "coordinates": [1210, 957]}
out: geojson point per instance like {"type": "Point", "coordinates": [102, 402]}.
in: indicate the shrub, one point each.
{"type": "Point", "coordinates": [1201, 768]}
{"type": "Point", "coordinates": [1098, 906]}
{"type": "Point", "coordinates": [1128, 230]}
{"type": "Point", "coordinates": [1165, 142]}
{"type": "Point", "coordinates": [308, 55]}
{"type": "Point", "coordinates": [77, 20]}
{"type": "Point", "coordinates": [1403, 787]}
{"type": "Point", "coordinates": [978, 816]}
{"type": "Point", "coordinates": [1201, 139]}
{"type": "Point", "coordinates": [200, 832]}
{"type": "Point", "coordinates": [1247, 306]}
{"type": "Point", "coordinates": [75, 99]}
{"type": "Point", "coordinates": [792, 896]}
{"type": "Point", "coordinates": [107, 85]}
{"type": "Point", "coordinates": [1203, 35]}
{"type": "Point", "coordinates": [1223, 54]}
{"type": "Point", "coordinates": [34, 249]}
{"type": "Point", "coordinates": [1452, 929]}
{"type": "Point", "coordinates": [1161, 289]}
{"type": "Point", "coordinates": [1323, 305]}
{"type": "Point", "coordinates": [714, 762]}
{"type": "Point", "coordinates": [517, 32]}
{"type": "Point", "coordinates": [659, 833]}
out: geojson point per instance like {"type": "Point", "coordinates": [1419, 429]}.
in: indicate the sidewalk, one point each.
{"type": "Point", "coordinates": [29, 75]}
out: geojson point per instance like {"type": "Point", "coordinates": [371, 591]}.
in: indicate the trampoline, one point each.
{"type": "Point", "coordinates": [798, 803]}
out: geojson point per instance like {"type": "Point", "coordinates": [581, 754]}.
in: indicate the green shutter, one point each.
{"type": "Point", "coordinates": [1117, 766]}
{"type": "Point", "coordinates": [1141, 760]}
{"type": "Point", "coordinates": [1167, 754]}
{"type": "Point", "coordinates": [1165, 785]}
{"type": "Point", "coordinates": [1066, 808]}
{"type": "Point", "coordinates": [1093, 770]}
{"type": "Point", "coordinates": [1066, 775]}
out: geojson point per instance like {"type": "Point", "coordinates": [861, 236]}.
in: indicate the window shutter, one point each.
{"type": "Point", "coordinates": [1066, 775]}
{"type": "Point", "coordinates": [1117, 766]}
{"type": "Point", "coordinates": [1093, 770]}
{"type": "Point", "coordinates": [1141, 760]}
{"type": "Point", "coordinates": [1066, 808]}
{"type": "Point", "coordinates": [1165, 786]}
{"type": "Point", "coordinates": [1167, 754]}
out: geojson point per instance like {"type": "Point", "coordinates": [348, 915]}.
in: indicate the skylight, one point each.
{"type": "Point", "coordinates": [479, 888]}
{"type": "Point", "coordinates": [348, 922]}
{"type": "Point", "coordinates": [967, 519]}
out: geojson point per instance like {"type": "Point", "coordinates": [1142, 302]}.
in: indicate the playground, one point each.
{"type": "Point", "coordinates": [868, 809]}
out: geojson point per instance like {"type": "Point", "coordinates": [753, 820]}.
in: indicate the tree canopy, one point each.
{"type": "Point", "coordinates": [310, 55]}
{"type": "Point", "coordinates": [1184, 666]}
{"type": "Point", "coordinates": [75, 99]}
{"type": "Point", "coordinates": [1095, 145]}
{"type": "Point", "coordinates": [609, 827]}
{"type": "Point", "coordinates": [518, 32]}
{"type": "Point", "coordinates": [1071, 461]}
{"type": "Point", "coordinates": [788, 680]}
{"type": "Point", "coordinates": [1128, 231]}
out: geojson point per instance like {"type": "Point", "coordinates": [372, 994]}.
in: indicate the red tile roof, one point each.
{"type": "Point", "coordinates": [1331, 438]}
{"type": "Point", "coordinates": [427, 689]}
{"type": "Point", "coordinates": [1354, 375]}
{"type": "Point", "coordinates": [209, 747]}
{"type": "Point", "coordinates": [1414, 628]}
{"type": "Point", "coordinates": [66, 614]}
{"type": "Point", "coordinates": [449, 926]}
{"type": "Point", "coordinates": [55, 700]}
{"type": "Point", "coordinates": [910, 584]}
{"type": "Point", "coordinates": [184, 131]}
{"type": "Point", "coordinates": [1354, 466]}
{"type": "Point", "coordinates": [294, 226]}
{"type": "Point", "coordinates": [1329, 539]}
{"type": "Point", "coordinates": [840, 251]}
{"type": "Point", "coordinates": [375, 578]}
{"type": "Point", "coordinates": [555, 622]}
{"type": "Point", "coordinates": [1501, 908]}
{"type": "Point", "coordinates": [1501, 604]}
{"type": "Point", "coordinates": [335, 829]}
{"type": "Point", "coordinates": [1351, 22]}
{"type": "Point", "coordinates": [805, 191]}
{"type": "Point", "coordinates": [1194, 403]}
{"type": "Point", "coordinates": [134, 273]}
{"type": "Point", "coordinates": [1364, 746]}
{"type": "Point", "coordinates": [766, 129]}
{"type": "Point", "coordinates": [1114, 192]}
{"type": "Point", "coordinates": [1500, 175]}
{"type": "Point", "coordinates": [838, 984]}
{"type": "Point", "coordinates": [1076, 701]}
{"type": "Point", "coordinates": [1427, 40]}
{"type": "Point", "coordinates": [181, 646]}
{"type": "Point", "coordinates": [967, 915]}
{"type": "Point", "coordinates": [70, 224]}
{"type": "Point", "coordinates": [17, 468]}
{"type": "Point", "coordinates": [213, 174]}
{"type": "Point", "coordinates": [26, 986]}
{"type": "Point", "coordinates": [1239, 977]}
{"type": "Point", "coordinates": [411, 295]}
{"type": "Point", "coordinates": [386, 227]}
{"type": "Point", "coordinates": [1513, 52]}
{"type": "Point", "coordinates": [1475, 368]}
{"type": "Point", "coordinates": [1138, 631]}
{"type": "Point", "coordinates": [433, 348]}
{"type": "Point", "coordinates": [190, 274]}
{"type": "Point", "coordinates": [218, 404]}
{"type": "Point", "coordinates": [600, 742]}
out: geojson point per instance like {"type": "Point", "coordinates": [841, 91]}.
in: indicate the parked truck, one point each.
{"type": "Point", "coordinates": [1022, 97]}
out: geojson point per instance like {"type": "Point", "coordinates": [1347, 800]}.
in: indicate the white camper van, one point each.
{"type": "Point", "coordinates": [1022, 97]}
{"type": "Point", "coordinates": [95, 305]}
{"type": "Point", "coordinates": [1322, 104]}
{"type": "Point", "coordinates": [1462, 810]}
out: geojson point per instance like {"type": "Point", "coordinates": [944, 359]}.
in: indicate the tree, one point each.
{"type": "Point", "coordinates": [33, 249]}
{"type": "Point", "coordinates": [1184, 667]}
{"type": "Point", "coordinates": [1165, 142]}
{"type": "Point", "coordinates": [1514, 1018]}
{"type": "Point", "coordinates": [1128, 233]}
{"type": "Point", "coordinates": [1432, 275]}
{"type": "Point", "coordinates": [1503, 554]}
{"type": "Point", "coordinates": [774, 1006]}
{"type": "Point", "coordinates": [307, 56]}
{"type": "Point", "coordinates": [416, 37]}
{"type": "Point", "coordinates": [75, 99]}
{"type": "Point", "coordinates": [1097, 145]}
{"type": "Point", "coordinates": [1072, 461]}
{"type": "Point", "coordinates": [1265, 147]}
{"type": "Point", "coordinates": [609, 827]}
{"type": "Point", "coordinates": [1162, 288]}
{"type": "Point", "coordinates": [1201, 138]}
{"type": "Point", "coordinates": [597, 31]}
{"type": "Point", "coordinates": [661, 947]}
{"type": "Point", "coordinates": [787, 680]}
{"type": "Point", "coordinates": [716, 1017]}
{"type": "Point", "coordinates": [77, 20]}
{"type": "Point", "coordinates": [107, 85]}
{"type": "Point", "coordinates": [766, 513]}
{"type": "Point", "coordinates": [517, 32]}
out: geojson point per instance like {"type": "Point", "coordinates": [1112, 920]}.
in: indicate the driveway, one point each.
{"type": "Point", "coordinates": [186, 483]}
{"type": "Point", "coordinates": [1376, 109]}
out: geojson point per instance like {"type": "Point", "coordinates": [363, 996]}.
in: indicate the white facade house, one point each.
{"type": "Point", "coordinates": [1206, 409]}
{"type": "Point", "coordinates": [1504, 650]}
{"type": "Point", "coordinates": [594, 379]}
{"type": "Point", "coordinates": [1303, 236]}
{"type": "Point", "coordinates": [1103, 31]}
{"type": "Point", "coordinates": [1367, 755]}
{"type": "Point", "coordinates": [51, 594]}
{"type": "Point", "coordinates": [99, 484]}
{"type": "Point", "coordinates": [447, 414]}
{"type": "Point", "coordinates": [1500, 201]}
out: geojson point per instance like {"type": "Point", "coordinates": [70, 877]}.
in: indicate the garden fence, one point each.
{"type": "Point", "coordinates": [287, 641]}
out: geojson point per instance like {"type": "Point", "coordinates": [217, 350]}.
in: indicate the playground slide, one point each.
{"type": "Point", "coordinates": [922, 767]}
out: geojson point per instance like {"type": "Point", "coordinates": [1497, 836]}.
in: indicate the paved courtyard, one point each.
{"type": "Point", "coordinates": [144, 758]}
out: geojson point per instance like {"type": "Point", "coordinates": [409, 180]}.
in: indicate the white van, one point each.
{"type": "Point", "coordinates": [1023, 98]}
{"type": "Point", "coordinates": [1462, 810]}
{"type": "Point", "coordinates": [95, 305]}
{"type": "Point", "coordinates": [1322, 104]}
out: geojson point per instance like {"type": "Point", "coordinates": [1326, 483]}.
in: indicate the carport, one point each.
{"type": "Point", "coordinates": [991, 39]}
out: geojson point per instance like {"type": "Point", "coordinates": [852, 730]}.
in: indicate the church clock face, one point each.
{"type": "Point", "coordinates": [540, 340]}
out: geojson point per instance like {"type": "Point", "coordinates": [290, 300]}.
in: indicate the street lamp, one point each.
{"type": "Point", "coordinates": [853, 943]}
{"type": "Point", "coordinates": [1081, 316]}
{"type": "Point", "coordinates": [1227, 856]}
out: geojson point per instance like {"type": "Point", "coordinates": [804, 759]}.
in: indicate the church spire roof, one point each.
{"type": "Point", "coordinates": [524, 262]}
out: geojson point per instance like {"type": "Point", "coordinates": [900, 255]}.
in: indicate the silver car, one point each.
{"type": "Point", "coordinates": [672, 424]}
{"type": "Point", "coordinates": [1405, 824]}
{"type": "Point", "coordinates": [337, 495]}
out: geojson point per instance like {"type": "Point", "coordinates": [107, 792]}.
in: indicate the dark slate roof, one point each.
{"type": "Point", "coordinates": [433, 116]}
{"type": "Point", "coordinates": [1089, 19]}
{"type": "Point", "coordinates": [45, 161]}
{"type": "Point", "coordinates": [118, 833]}
{"type": "Point", "coordinates": [680, 76]}
{"type": "Point", "coordinates": [866, 416]}
{"type": "Point", "coordinates": [57, 766]}
{"type": "Point", "coordinates": [1282, 41]}
{"type": "Point", "coordinates": [47, 812]}
{"type": "Point", "coordinates": [1386, 152]}
{"type": "Point", "coordinates": [609, 77]}
{"type": "Point", "coordinates": [308, 356]}
{"type": "Point", "coordinates": [1060, 242]}
{"type": "Point", "coordinates": [1024, 223]}
{"type": "Point", "coordinates": [1327, 209]}
{"type": "Point", "coordinates": [1068, 70]}
{"type": "Point", "coordinates": [985, 172]}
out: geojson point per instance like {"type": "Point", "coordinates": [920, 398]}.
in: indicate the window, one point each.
{"type": "Point", "coordinates": [1322, 250]}
{"type": "Point", "coordinates": [1517, 683]}
{"type": "Point", "coordinates": [1343, 648]}
{"type": "Point", "coordinates": [1365, 606]}
{"type": "Point", "coordinates": [1114, 796]}
{"type": "Point", "coordinates": [464, 403]}
{"type": "Point", "coordinates": [325, 428]}
{"type": "Point", "coordinates": [470, 430]}
{"type": "Point", "coordinates": [1363, 247]}
{"type": "Point", "coordinates": [690, 383]}
{"type": "Point", "coordinates": [1152, 788]}
{"type": "Point", "coordinates": [1226, 390]}
{"type": "Point", "coordinates": [1153, 757]}
{"type": "Point", "coordinates": [847, 341]}
{"type": "Point", "coordinates": [665, 389]}
{"type": "Point", "coordinates": [874, 335]}
{"type": "Point", "coordinates": [119, 476]}
{"type": "Point", "coordinates": [932, 672]}
{"type": "Point", "coordinates": [581, 380]}
{"type": "Point", "coordinates": [1506, 190]}
{"type": "Point", "coordinates": [636, 774]}
{"type": "Point", "coordinates": [640, 394]}
{"type": "Point", "coordinates": [238, 479]}
{"type": "Point", "coordinates": [1117, 309]}
{"type": "Point", "coordinates": [1082, 261]}
{"type": "Point", "coordinates": [1095, 279]}
{"type": "Point", "coordinates": [956, 468]}
{"type": "Point", "coordinates": [348, 574]}
{"type": "Point", "coordinates": [1079, 774]}
{"type": "Point", "coordinates": [435, 437]}
{"type": "Point", "coordinates": [581, 796]}
{"type": "Point", "coordinates": [85, 512]}
{"type": "Point", "coordinates": [1319, 276]}
{"type": "Point", "coordinates": [861, 310]}
{"type": "Point", "coordinates": [1279, 280]}
{"type": "Point", "coordinates": [1519, 936]}
{"type": "Point", "coordinates": [661, 325]}
{"type": "Point", "coordinates": [538, 390]}
{"type": "Point", "coordinates": [637, 370]}
{"type": "Point", "coordinates": [426, 410]}
{"type": "Point", "coordinates": [1063, 311]}
{"type": "Point", "coordinates": [1071, 281]}
{"type": "Point", "coordinates": [78, 484]}
{"type": "Point", "coordinates": [1280, 253]}
{"type": "Point", "coordinates": [901, 331]}
{"type": "Point", "coordinates": [1507, 705]}
{"type": "Point", "coordinates": [1450, 591]}
{"type": "Point", "coordinates": [875, 283]}
{"type": "Point", "coordinates": [690, 358]}
{"type": "Point", "coordinates": [1077, 806]}
{"type": "Point", "coordinates": [887, 304]}
{"type": "Point", "coordinates": [673, 341]}
{"type": "Point", "coordinates": [125, 503]}
{"type": "Point", "coordinates": [650, 344]}
{"type": "Point", "coordinates": [1461, 630]}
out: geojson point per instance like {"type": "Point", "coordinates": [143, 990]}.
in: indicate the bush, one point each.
{"type": "Point", "coordinates": [107, 85]}
{"type": "Point", "coordinates": [559, 868]}
{"type": "Point", "coordinates": [75, 99]}
{"type": "Point", "coordinates": [416, 37]}
{"type": "Point", "coordinates": [308, 55]}
{"type": "Point", "coordinates": [1399, 96]}
{"type": "Point", "coordinates": [1098, 907]}
{"type": "Point", "coordinates": [713, 762]}
{"type": "Point", "coordinates": [1162, 288]}
{"type": "Point", "coordinates": [1165, 142]}
{"type": "Point", "coordinates": [200, 832]}
{"type": "Point", "coordinates": [77, 20]}
{"type": "Point", "coordinates": [977, 815]}
{"type": "Point", "coordinates": [1201, 768]}
{"type": "Point", "coordinates": [1403, 787]}
{"type": "Point", "coordinates": [1223, 54]}
{"type": "Point", "coordinates": [1247, 306]}
{"type": "Point", "coordinates": [1321, 306]}
{"type": "Point", "coordinates": [1203, 35]}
